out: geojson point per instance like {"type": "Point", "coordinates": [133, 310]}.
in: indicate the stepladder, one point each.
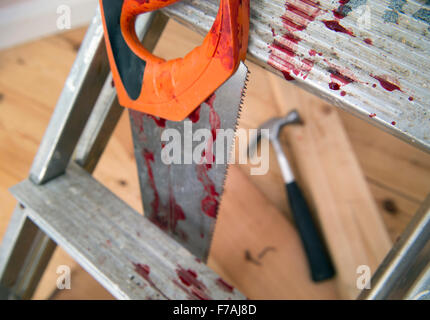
{"type": "Point", "coordinates": [83, 121]}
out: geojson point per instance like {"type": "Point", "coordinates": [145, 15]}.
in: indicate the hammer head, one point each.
{"type": "Point", "coordinates": [274, 127]}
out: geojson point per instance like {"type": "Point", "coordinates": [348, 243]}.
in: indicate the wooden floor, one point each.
{"type": "Point", "coordinates": [31, 79]}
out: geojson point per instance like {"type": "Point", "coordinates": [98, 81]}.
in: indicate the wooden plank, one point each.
{"type": "Point", "coordinates": [389, 161]}
{"type": "Point", "coordinates": [258, 250]}
{"type": "Point", "coordinates": [397, 211]}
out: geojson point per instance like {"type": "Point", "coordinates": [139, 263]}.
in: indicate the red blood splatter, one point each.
{"type": "Point", "coordinates": [411, 98]}
{"type": "Point", "coordinates": [137, 119]}
{"type": "Point", "coordinates": [374, 85]}
{"type": "Point", "coordinates": [283, 55]}
{"type": "Point", "coordinates": [343, 93]}
{"type": "Point", "coordinates": [199, 294]}
{"type": "Point", "coordinates": [158, 121]}
{"type": "Point", "coordinates": [224, 285]}
{"type": "Point", "coordinates": [143, 270]}
{"type": "Point", "coordinates": [339, 12]}
{"type": "Point", "coordinates": [209, 204]}
{"type": "Point", "coordinates": [287, 76]}
{"type": "Point", "coordinates": [214, 119]}
{"type": "Point", "coordinates": [338, 79]}
{"type": "Point", "coordinates": [273, 32]}
{"type": "Point", "coordinates": [337, 75]}
{"type": "Point", "coordinates": [387, 85]}
{"type": "Point", "coordinates": [195, 115]}
{"type": "Point", "coordinates": [336, 26]}
{"type": "Point", "coordinates": [149, 157]}
{"type": "Point", "coordinates": [340, 75]}
{"type": "Point", "coordinates": [372, 115]}
{"type": "Point", "coordinates": [193, 293]}
{"type": "Point", "coordinates": [368, 41]}
{"type": "Point", "coordinates": [189, 279]}
{"type": "Point", "coordinates": [393, 123]}
{"type": "Point", "coordinates": [312, 52]}
{"type": "Point", "coordinates": [334, 86]}
{"type": "Point", "coordinates": [173, 213]}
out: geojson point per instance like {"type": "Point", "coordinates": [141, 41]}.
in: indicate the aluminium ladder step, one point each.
{"type": "Point", "coordinates": [122, 250]}
{"type": "Point", "coordinates": [379, 53]}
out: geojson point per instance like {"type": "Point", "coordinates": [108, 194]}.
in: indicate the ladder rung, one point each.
{"type": "Point", "coordinates": [122, 250]}
{"type": "Point", "coordinates": [398, 51]}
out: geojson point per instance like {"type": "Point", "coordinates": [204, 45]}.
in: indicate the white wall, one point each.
{"type": "Point", "coordinates": [25, 20]}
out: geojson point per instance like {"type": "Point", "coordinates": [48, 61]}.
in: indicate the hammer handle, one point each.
{"type": "Point", "coordinates": [318, 258]}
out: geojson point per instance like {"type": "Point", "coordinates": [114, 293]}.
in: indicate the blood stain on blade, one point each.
{"type": "Point", "coordinates": [149, 157]}
{"type": "Point", "coordinates": [214, 119]}
{"type": "Point", "coordinates": [137, 119]}
{"type": "Point", "coordinates": [165, 217]}
{"type": "Point", "coordinates": [209, 204]}
{"type": "Point", "coordinates": [158, 121]}
{"type": "Point", "coordinates": [195, 115]}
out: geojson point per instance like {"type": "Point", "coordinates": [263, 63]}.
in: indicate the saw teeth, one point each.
{"type": "Point", "coordinates": [232, 148]}
{"type": "Point", "coordinates": [233, 145]}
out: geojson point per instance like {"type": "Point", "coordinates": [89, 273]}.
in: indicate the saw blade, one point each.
{"type": "Point", "coordinates": [182, 198]}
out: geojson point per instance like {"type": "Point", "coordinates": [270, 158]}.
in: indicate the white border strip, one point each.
{"type": "Point", "coordinates": [25, 20]}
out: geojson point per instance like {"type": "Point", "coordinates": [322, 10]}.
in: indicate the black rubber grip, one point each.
{"type": "Point", "coordinates": [317, 255]}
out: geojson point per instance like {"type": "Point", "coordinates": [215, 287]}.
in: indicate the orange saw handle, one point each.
{"type": "Point", "coordinates": [172, 89]}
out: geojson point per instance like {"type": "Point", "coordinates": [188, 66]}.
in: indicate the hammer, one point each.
{"type": "Point", "coordinates": [316, 253]}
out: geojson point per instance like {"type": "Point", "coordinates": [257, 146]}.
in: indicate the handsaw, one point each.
{"type": "Point", "coordinates": [183, 99]}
